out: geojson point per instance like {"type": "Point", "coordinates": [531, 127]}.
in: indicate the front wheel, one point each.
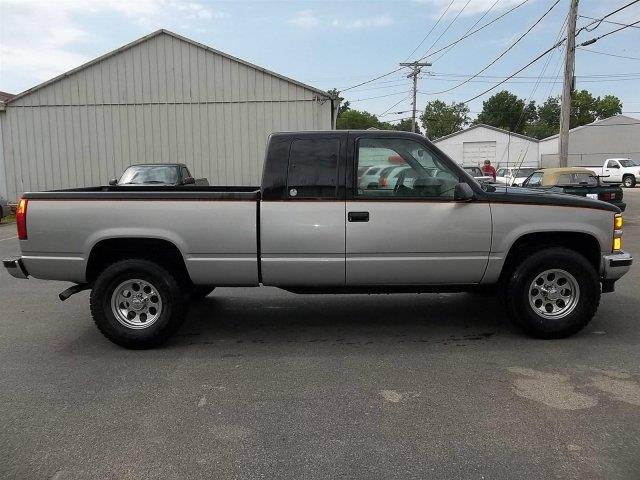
{"type": "Point", "coordinates": [553, 293]}
{"type": "Point", "coordinates": [629, 181]}
{"type": "Point", "coordinates": [137, 303]}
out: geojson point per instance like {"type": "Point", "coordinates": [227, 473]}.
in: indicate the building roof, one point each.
{"type": "Point", "coordinates": [149, 37]}
{"type": "Point", "coordinates": [5, 97]}
{"type": "Point", "coordinates": [624, 120]}
{"type": "Point", "coordinates": [490, 127]}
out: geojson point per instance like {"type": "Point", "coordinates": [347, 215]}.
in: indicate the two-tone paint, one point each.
{"type": "Point", "coordinates": [246, 237]}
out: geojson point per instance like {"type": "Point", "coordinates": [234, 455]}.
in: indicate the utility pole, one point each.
{"type": "Point", "coordinates": [569, 71]}
{"type": "Point", "coordinates": [416, 67]}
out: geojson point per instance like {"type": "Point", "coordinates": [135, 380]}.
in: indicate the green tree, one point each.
{"type": "Point", "coordinates": [440, 119]}
{"type": "Point", "coordinates": [404, 125]}
{"type": "Point", "coordinates": [344, 106]}
{"type": "Point", "coordinates": [608, 106]}
{"type": "Point", "coordinates": [505, 110]}
{"type": "Point", "coordinates": [583, 108]}
{"type": "Point", "coordinates": [357, 120]}
{"type": "Point", "coordinates": [548, 119]}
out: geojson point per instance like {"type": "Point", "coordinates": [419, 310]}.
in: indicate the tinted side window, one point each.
{"type": "Point", "coordinates": [535, 180]}
{"type": "Point", "coordinates": [313, 168]}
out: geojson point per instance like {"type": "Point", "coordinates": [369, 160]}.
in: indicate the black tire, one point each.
{"type": "Point", "coordinates": [523, 275]}
{"type": "Point", "coordinates": [629, 181]}
{"type": "Point", "coordinates": [200, 292]}
{"type": "Point", "coordinates": [171, 315]}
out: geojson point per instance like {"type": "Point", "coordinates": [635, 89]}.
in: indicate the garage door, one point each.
{"type": "Point", "coordinates": [475, 153]}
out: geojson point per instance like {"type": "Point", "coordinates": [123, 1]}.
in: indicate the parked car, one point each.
{"type": "Point", "coordinates": [476, 173]}
{"type": "Point", "coordinates": [158, 174]}
{"type": "Point", "coordinates": [4, 208]}
{"type": "Point", "coordinates": [576, 181]}
{"type": "Point", "coordinates": [371, 176]}
{"type": "Point", "coordinates": [309, 228]}
{"type": "Point", "coordinates": [513, 176]}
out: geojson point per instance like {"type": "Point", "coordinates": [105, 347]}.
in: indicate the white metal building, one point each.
{"type": "Point", "coordinates": [591, 144]}
{"type": "Point", "coordinates": [162, 98]}
{"type": "Point", "coordinates": [474, 145]}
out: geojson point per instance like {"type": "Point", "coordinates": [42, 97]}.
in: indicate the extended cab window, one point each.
{"type": "Point", "coordinates": [404, 168]}
{"type": "Point", "coordinates": [313, 168]}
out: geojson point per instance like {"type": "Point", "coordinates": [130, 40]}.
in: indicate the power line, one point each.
{"type": "Point", "coordinates": [372, 80]}
{"type": "Point", "coordinates": [608, 54]}
{"type": "Point", "coordinates": [599, 20]}
{"type": "Point", "coordinates": [476, 30]}
{"type": "Point", "coordinates": [432, 29]}
{"type": "Point", "coordinates": [519, 70]}
{"type": "Point", "coordinates": [448, 27]}
{"type": "Point", "coordinates": [469, 29]}
{"type": "Point", "coordinates": [504, 52]}
{"type": "Point", "coordinates": [394, 105]}
{"type": "Point", "coordinates": [595, 39]}
{"type": "Point", "coordinates": [379, 96]}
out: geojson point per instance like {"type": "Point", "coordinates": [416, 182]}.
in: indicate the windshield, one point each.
{"type": "Point", "coordinates": [629, 163]}
{"type": "Point", "coordinates": [523, 172]}
{"type": "Point", "coordinates": [156, 174]}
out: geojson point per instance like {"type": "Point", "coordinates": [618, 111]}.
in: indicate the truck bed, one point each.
{"type": "Point", "coordinates": [214, 228]}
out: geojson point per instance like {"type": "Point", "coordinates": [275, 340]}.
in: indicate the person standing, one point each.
{"type": "Point", "coordinates": [488, 170]}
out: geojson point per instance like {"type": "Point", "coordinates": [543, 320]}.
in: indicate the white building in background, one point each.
{"type": "Point", "coordinates": [591, 144]}
{"type": "Point", "coordinates": [474, 145]}
{"type": "Point", "coordinates": [161, 98]}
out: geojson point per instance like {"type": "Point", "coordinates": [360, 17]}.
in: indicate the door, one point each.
{"type": "Point", "coordinates": [412, 231]}
{"type": "Point", "coordinates": [613, 171]}
{"type": "Point", "coordinates": [475, 153]}
{"type": "Point", "coordinates": [302, 232]}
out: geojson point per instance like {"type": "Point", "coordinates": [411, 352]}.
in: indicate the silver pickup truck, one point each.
{"type": "Point", "coordinates": [312, 227]}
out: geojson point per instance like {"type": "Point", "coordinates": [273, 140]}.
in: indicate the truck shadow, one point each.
{"type": "Point", "coordinates": [231, 320]}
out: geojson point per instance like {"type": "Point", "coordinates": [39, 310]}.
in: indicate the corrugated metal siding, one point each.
{"type": "Point", "coordinates": [162, 100]}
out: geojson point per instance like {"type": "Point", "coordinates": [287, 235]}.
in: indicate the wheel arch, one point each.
{"type": "Point", "coordinates": [110, 250]}
{"type": "Point", "coordinates": [583, 243]}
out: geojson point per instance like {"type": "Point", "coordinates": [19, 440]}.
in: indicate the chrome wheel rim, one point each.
{"type": "Point", "coordinates": [136, 304]}
{"type": "Point", "coordinates": [554, 294]}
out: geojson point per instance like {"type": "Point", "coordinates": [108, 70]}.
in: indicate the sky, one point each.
{"type": "Point", "coordinates": [338, 44]}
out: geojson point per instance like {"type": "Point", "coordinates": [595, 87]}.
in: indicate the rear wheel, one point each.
{"type": "Point", "coordinates": [553, 293]}
{"type": "Point", "coordinates": [629, 181]}
{"type": "Point", "coordinates": [137, 303]}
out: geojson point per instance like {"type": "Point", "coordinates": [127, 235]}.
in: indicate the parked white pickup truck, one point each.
{"type": "Point", "coordinates": [619, 170]}
{"type": "Point", "coordinates": [145, 252]}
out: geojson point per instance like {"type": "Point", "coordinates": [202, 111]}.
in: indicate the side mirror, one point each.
{"type": "Point", "coordinates": [189, 181]}
{"type": "Point", "coordinates": [463, 192]}
{"type": "Point", "coordinates": [113, 181]}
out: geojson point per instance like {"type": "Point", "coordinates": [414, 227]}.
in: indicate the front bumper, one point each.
{"type": "Point", "coordinates": [615, 265]}
{"type": "Point", "coordinates": [15, 267]}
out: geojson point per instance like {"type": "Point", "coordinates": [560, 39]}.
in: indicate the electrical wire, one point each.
{"type": "Point", "coordinates": [595, 39]}
{"type": "Point", "coordinates": [468, 30]}
{"type": "Point", "coordinates": [606, 21]}
{"type": "Point", "coordinates": [485, 68]}
{"type": "Point", "coordinates": [598, 21]}
{"type": "Point", "coordinates": [455, 42]}
{"type": "Point", "coordinates": [448, 26]}
{"type": "Point", "coordinates": [379, 96]}
{"type": "Point", "coordinates": [431, 30]}
{"type": "Point", "coordinates": [546, 52]}
{"type": "Point", "coordinates": [607, 54]}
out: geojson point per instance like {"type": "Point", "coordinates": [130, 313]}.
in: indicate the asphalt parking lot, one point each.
{"type": "Point", "coordinates": [261, 383]}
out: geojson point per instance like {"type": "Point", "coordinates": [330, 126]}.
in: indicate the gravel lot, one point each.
{"type": "Point", "coordinates": [261, 383]}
